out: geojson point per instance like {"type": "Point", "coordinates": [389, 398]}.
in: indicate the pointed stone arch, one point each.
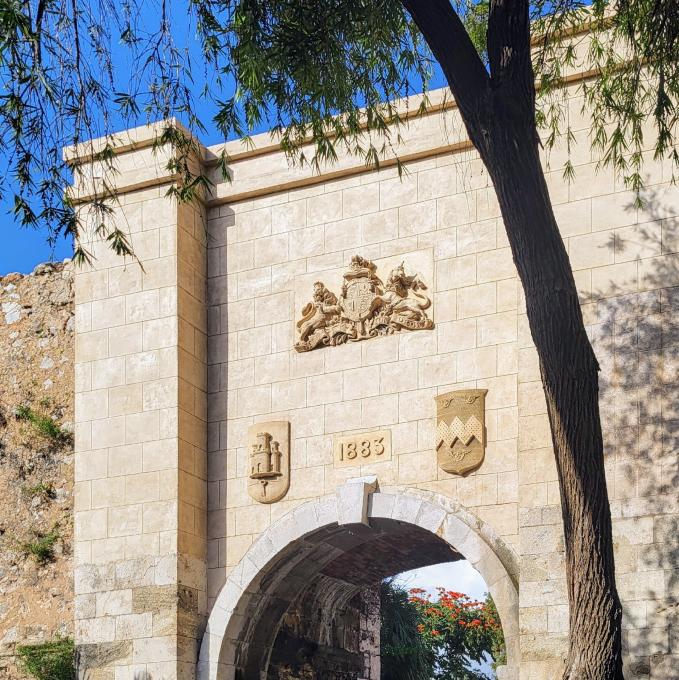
{"type": "Point", "coordinates": [277, 567]}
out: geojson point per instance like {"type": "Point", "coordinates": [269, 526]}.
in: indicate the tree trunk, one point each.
{"type": "Point", "coordinates": [498, 110]}
{"type": "Point", "coordinates": [569, 373]}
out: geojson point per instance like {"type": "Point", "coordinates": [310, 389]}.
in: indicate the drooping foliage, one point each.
{"type": "Point", "coordinates": [75, 70]}
{"type": "Point", "coordinates": [404, 652]}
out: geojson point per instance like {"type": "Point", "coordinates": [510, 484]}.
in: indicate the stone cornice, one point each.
{"type": "Point", "coordinates": [263, 167]}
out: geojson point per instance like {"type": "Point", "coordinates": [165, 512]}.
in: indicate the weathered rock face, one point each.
{"type": "Point", "coordinates": [36, 459]}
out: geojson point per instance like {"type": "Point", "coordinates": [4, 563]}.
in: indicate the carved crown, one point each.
{"type": "Point", "coordinates": [360, 268]}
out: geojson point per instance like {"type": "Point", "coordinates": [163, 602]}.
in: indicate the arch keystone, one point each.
{"type": "Point", "coordinates": [353, 498]}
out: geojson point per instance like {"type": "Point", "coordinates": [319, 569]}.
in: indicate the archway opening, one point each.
{"type": "Point", "coordinates": [332, 629]}
{"type": "Point", "coordinates": [304, 601]}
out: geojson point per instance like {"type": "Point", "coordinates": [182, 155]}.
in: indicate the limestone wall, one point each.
{"type": "Point", "coordinates": [160, 419]}
{"type": "Point", "coordinates": [442, 219]}
{"type": "Point", "coordinates": [387, 382]}
{"type": "Point", "coordinates": [36, 464]}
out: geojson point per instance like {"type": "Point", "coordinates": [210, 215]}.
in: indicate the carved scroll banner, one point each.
{"type": "Point", "coordinates": [366, 307]}
{"type": "Point", "coordinates": [269, 460]}
{"type": "Point", "coordinates": [461, 430]}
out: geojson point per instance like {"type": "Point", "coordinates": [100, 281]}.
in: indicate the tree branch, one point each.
{"type": "Point", "coordinates": [448, 40]}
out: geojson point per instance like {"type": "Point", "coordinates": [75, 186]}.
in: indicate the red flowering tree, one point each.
{"type": "Point", "coordinates": [463, 634]}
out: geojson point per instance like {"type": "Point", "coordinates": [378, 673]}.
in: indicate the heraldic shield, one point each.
{"type": "Point", "coordinates": [359, 298]}
{"type": "Point", "coordinates": [461, 430]}
{"type": "Point", "coordinates": [269, 460]}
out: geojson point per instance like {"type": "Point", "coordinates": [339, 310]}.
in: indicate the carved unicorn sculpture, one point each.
{"type": "Point", "coordinates": [396, 298]}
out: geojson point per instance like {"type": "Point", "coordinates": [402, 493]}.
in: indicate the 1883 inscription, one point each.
{"type": "Point", "coordinates": [362, 449]}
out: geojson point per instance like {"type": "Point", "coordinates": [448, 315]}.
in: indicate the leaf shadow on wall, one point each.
{"type": "Point", "coordinates": [633, 320]}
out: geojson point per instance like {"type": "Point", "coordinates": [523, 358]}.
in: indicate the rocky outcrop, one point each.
{"type": "Point", "coordinates": [36, 458]}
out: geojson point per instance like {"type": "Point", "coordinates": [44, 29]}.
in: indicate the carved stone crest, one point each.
{"type": "Point", "coordinates": [269, 460]}
{"type": "Point", "coordinates": [461, 430]}
{"type": "Point", "coordinates": [366, 307]}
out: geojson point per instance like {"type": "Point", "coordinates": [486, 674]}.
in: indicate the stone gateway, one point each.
{"type": "Point", "coordinates": [321, 380]}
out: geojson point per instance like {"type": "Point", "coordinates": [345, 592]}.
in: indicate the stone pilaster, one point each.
{"type": "Point", "coordinates": [140, 506]}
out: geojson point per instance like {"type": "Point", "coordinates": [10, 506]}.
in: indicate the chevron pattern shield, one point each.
{"type": "Point", "coordinates": [460, 430]}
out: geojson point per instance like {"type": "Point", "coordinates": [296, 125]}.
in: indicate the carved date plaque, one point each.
{"type": "Point", "coordinates": [362, 449]}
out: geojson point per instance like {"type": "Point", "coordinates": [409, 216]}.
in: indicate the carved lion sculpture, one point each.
{"type": "Point", "coordinates": [316, 314]}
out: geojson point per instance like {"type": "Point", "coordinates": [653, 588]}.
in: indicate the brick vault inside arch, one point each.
{"type": "Point", "coordinates": [304, 595]}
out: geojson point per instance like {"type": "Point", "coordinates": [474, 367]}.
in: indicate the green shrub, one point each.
{"type": "Point", "coordinates": [41, 549]}
{"type": "Point", "coordinates": [44, 490]}
{"type": "Point", "coordinates": [53, 660]}
{"type": "Point", "coordinates": [42, 424]}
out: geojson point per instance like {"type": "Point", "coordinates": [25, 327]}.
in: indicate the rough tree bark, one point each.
{"type": "Point", "coordinates": [498, 109]}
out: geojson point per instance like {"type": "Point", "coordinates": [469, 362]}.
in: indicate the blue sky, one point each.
{"type": "Point", "coordinates": [458, 576]}
{"type": "Point", "coordinates": [22, 249]}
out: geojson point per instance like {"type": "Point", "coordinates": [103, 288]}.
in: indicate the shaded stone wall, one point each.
{"type": "Point", "coordinates": [320, 640]}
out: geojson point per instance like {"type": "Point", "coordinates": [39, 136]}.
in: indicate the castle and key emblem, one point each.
{"type": "Point", "coordinates": [461, 430]}
{"type": "Point", "coordinates": [269, 460]}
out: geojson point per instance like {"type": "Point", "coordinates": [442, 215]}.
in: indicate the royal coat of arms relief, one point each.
{"type": "Point", "coordinates": [366, 307]}
{"type": "Point", "coordinates": [461, 430]}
